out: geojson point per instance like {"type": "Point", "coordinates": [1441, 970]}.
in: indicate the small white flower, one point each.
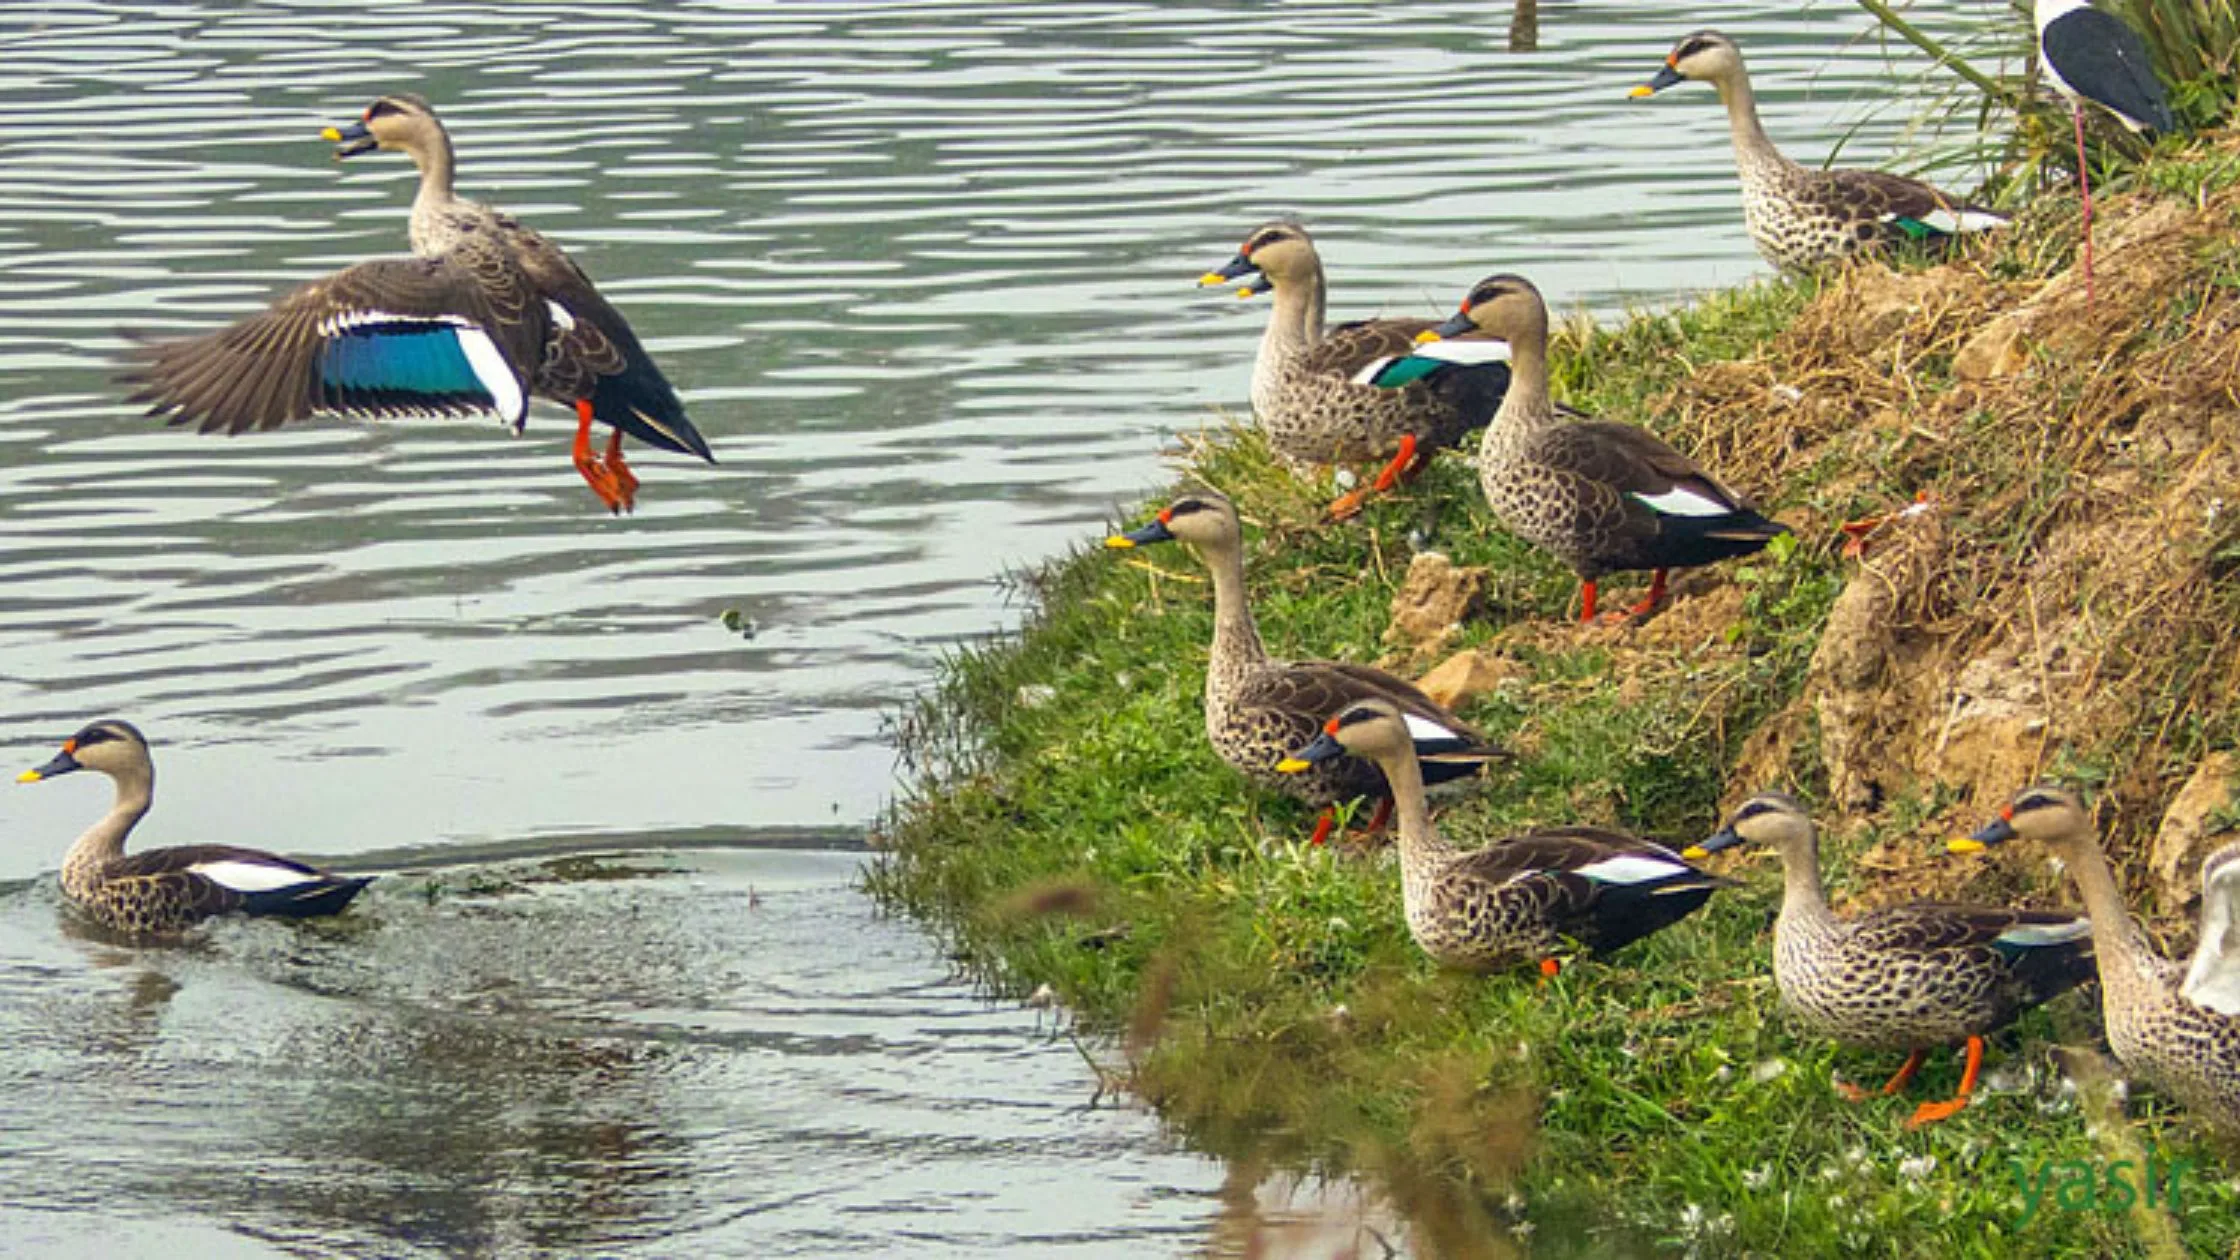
{"type": "Point", "coordinates": [1756, 1178]}
{"type": "Point", "coordinates": [1768, 1069]}
{"type": "Point", "coordinates": [1914, 1169]}
{"type": "Point", "coordinates": [1035, 695]}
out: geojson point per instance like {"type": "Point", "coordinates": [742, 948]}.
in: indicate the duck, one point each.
{"type": "Point", "coordinates": [1800, 217]}
{"type": "Point", "coordinates": [1258, 708]}
{"type": "Point", "coordinates": [166, 891]}
{"type": "Point", "coordinates": [1909, 977]}
{"type": "Point", "coordinates": [2178, 1028]}
{"type": "Point", "coordinates": [1357, 392]}
{"type": "Point", "coordinates": [482, 315]}
{"type": "Point", "coordinates": [1604, 497]}
{"type": "Point", "coordinates": [1519, 900]}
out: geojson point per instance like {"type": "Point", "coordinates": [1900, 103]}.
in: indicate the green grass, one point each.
{"type": "Point", "coordinates": [1071, 827]}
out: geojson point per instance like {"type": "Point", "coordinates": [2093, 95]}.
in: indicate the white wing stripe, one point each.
{"type": "Point", "coordinates": [491, 369]}
{"type": "Point", "coordinates": [1633, 868]}
{"type": "Point", "coordinates": [1423, 728]}
{"type": "Point", "coordinates": [1681, 501]}
{"type": "Point", "coordinates": [250, 877]}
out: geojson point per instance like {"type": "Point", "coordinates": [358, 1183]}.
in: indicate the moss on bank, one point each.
{"type": "Point", "coordinates": [2065, 606]}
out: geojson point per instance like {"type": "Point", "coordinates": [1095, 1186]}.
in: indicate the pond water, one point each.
{"type": "Point", "coordinates": [923, 274]}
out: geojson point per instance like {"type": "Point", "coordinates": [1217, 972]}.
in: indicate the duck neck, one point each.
{"type": "Point", "coordinates": [1421, 845]}
{"type": "Point", "coordinates": [1526, 408]}
{"type": "Point", "coordinates": [103, 842]}
{"type": "Point", "coordinates": [1236, 640]}
{"type": "Point", "coordinates": [1294, 325]}
{"type": "Point", "coordinates": [1752, 147]}
{"type": "Point", "coordinates": [433, 157]}
{"type": "Point", "coordinates": [1804, 903]}
{"type": "Point", "coordinates": [2115, 937]}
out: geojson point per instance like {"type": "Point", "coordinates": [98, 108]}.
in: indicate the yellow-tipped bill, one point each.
{"type": "Point", "coordinates": [1964, 846]}
{"type": "Point", "coordinates": [1118, 543]}
{"type": "Point", "coordinates": [29, 776]}
{"type": "Point", "coordinates": [1212, 278]}
{"type": "Point", "coordinates": [1291, 765]}
{"type": "Point", "coordinates": [1427, 336]}
{"type": "Point", "coordinates": [331, 135]}
{"type": "Point", "coordinates": [1695, 853]}
{"type": "Point", "coordinates": [1641, 90]}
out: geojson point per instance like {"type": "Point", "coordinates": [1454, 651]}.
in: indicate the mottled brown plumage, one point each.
{"type": "Point", "coordinates": [1259, 709]}
{"type": "Point", "coordinates": [1518, 900]}
{"type": "Point", "coordinates": [2165, 1028]}
{"type": "Point", "coordinates": [363, 342]}
{"type": "Point", "coordinates": [1798, 216]}
{"type": "Point", "coordinates": [168, 890]}
{"type": "Point", "coordinates": [1908, 977]}
{"type": "Point", "coordinates": [1604, 497]}
{"type": "Point", "coordinates": [1309, 394]}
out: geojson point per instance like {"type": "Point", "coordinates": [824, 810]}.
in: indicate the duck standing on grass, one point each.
{"type": "Point", "coordinates": [1353, 393]}
{"type": "Point", "coordinates": [1604, 497]}
{"type": "Point", "coordinates": [1258, 709]}
{"type": "Point", "coordinates": [485, 313]}
{"type": "Point", "coordinates": [1523, 899]}
{"type": "Point", "coordinates": [2177, 1028]}
{"type": "Point", "coordinates": [169, 890]}
{"type": "Point", "coordinates": [1798, 216]}
{"type": "Point", "coordinates": [1909, 977]}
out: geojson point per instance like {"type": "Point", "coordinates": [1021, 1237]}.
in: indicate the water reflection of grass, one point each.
{"type": "Point", "coordinates": [1072, 829]}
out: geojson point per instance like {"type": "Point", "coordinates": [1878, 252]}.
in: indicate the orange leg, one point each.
{"type": "Point", "coordinates": [1930, 1113]}
{"type": "Point", "coordinates": [1322, 826]}
{"type": "Point", "coordinates": [1550, 968]}
{"type": "Point", "coordinates": [1650, 601]}
{"type": "Point", "coordinates": [1404, 464]}
{"type": "Point", "coordinates": [625, 481]}
{"type": "Point", "coordinates": [1379, 816]}
{"type": "Point", "coordinates": [1586, 594]}
{"type": "Point", "coordinates": [598, 476]}
{"type": "Point", "coordinates": [1897, 1082]}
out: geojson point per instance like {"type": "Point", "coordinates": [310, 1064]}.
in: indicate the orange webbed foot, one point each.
{"type": "Point", "coordinates": [1348, 505]}
{"type": "Point", "coordinates": [1931, 1112]}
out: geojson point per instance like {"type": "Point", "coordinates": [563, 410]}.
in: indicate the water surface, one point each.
{"type": "Point", "coordinates": [923, 274]}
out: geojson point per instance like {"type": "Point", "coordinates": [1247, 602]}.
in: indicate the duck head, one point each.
{"type": "Point", "coordinates": [1776, 819]}
{"type": "Point", "coordinates": [1374, 729]}
{"type": "Point", "coordinates": [1504, 307]}
{"type": "Point", "coordinates": [1276, 253]}
{"type": "Point", "coordinates": [110, 746]}
{"type": "Point", "coordinates": [400, 121]}
{"type": "Point", "coordinates": [2045, 813]}
{"type": "Point", "coordinates": [1706, 56]}
{"type": "Point", "coordinates": [1203, 518]}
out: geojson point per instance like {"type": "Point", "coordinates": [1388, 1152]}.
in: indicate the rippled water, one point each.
{"type": "Point", "coordinates": [923, 274]}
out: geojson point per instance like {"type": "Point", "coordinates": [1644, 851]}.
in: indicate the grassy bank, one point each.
{"type": "Point", "coordinates": [2064, 606]}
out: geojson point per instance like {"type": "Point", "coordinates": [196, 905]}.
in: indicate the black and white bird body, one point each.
{"type": "Point", "coordinates": [2090, 56]}
{"type": "Point", "coordinates": [2093, 56]}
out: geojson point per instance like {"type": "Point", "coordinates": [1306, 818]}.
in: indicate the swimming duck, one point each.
{"type": "Point", "coordinates": [2178, 1028]}
{"type": "Point", "coordinates": [1258, 709]}
{"type": "Point", "coordinates": [1798, 216]}
{"type": "Point", "coordinates": [169, 890]}
{"type": "Point", "coordinates": [1357, 392]}
{"type": "Point", "coordinates": [1908, 977]}
{"type": "Point", "coordinates": [1602, 496]}
{"type": "Point", "coordinates": [485, 313]}
{"type": "Point", "coordinates": [1518, 900]}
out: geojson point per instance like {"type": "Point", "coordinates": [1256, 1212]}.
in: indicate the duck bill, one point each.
{"type": "Point", "coordinates": [1724, 838]}
{"type": "Point", "coordinates": [63, 763]}
{"type": "Point", "coordinates": [349, 141]}
{"type": "Point", "coordinates": [1457, 324]}
{"type": "Point", "coordinates": [1659, 82]}
{"type": "Point", "coordinates": [1324, 748]}
{"type": "Point", "coordinates": [1236, 268]}
{"type": "Point", "coordinates": [1155, 532]}
{"type": "Point", "coordinates": [1997, 831]}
